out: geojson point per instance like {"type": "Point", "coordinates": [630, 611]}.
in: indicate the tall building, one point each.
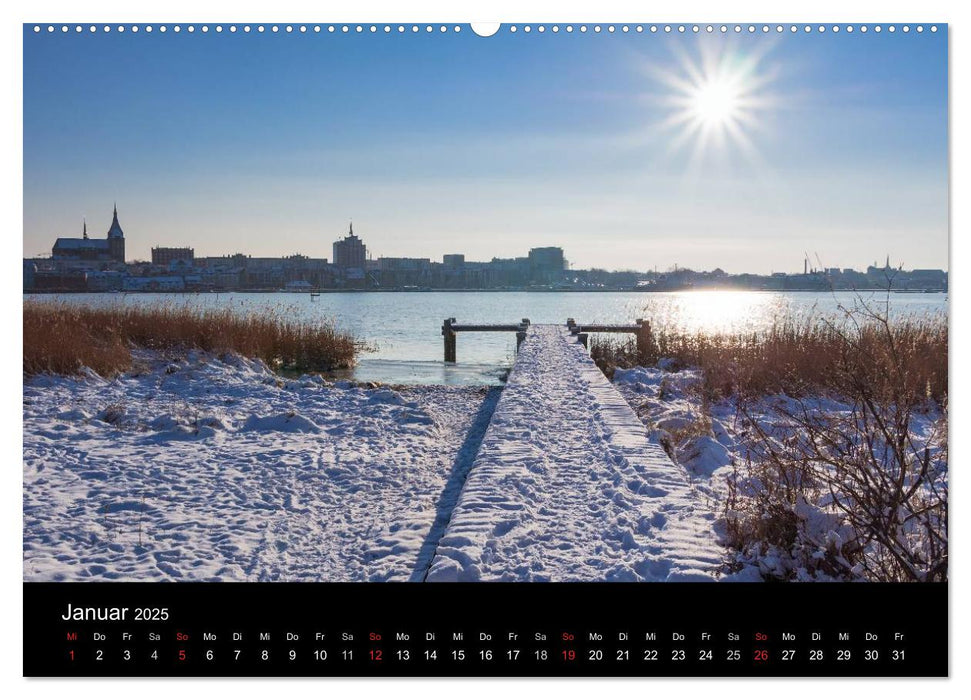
{"type": "Point", "coordinates": [110, 249]}
{"type": "Point", "coordinates": [546, 264]}
{"type": "Point", "coordinates": [547, 259]}
{"type": "Point", "coordinates": [350, 252]}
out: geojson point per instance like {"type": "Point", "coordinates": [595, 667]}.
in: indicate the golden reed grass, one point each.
{"type": "Point", "coordinates": [62, 338]}
{"type": "Point", "coordinates": [905, 358]}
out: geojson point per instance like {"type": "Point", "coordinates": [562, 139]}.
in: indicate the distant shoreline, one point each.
{"type": "Point", "coordinates": [480, 291]}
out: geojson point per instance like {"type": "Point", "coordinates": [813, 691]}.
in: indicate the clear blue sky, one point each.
{"type": "Point", "coordinates": [269, 144]}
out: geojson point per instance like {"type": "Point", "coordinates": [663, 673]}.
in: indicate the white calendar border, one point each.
{"type": "Point", "coordinates": [830, 11]}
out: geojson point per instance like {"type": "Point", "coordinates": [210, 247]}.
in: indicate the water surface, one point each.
{"type": "Point", "coordinates": [405, 327]}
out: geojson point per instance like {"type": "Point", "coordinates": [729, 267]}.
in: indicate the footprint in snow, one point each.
{"type": "Point", "coordinates": [504, 527]}
{"type": "Point", "coordinates": [652, 492]}
{"type": "Point", "coordinates": [653, 569]}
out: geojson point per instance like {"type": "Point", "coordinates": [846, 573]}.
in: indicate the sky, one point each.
{"type": "Point", "coordinates": [630, 151]}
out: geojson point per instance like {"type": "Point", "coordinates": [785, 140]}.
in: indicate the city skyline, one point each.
{"type": "Point", "coordinates": [629, 151]}
{"type": "Point", "coordinates": [810, 262]}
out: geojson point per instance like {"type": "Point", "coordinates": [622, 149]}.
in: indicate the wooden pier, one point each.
{"type": "Point", "coordinates": [568, 486]}
{"type": "Point", "coordinates": [450, 329]}
{"type": "Point", "coordinates": [641, 328]}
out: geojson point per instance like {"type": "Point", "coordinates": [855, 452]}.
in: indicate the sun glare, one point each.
{"type": "Point", "coordinates": [715, 101]}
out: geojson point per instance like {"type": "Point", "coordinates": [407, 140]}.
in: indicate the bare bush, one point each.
{"type": "Point", "coordinates": [842, 439]}
{"type": "Point", "coordinates": [852, 491]}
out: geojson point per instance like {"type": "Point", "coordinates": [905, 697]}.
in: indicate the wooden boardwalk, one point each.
{"type": "Point", "coordinates": [567, 486]}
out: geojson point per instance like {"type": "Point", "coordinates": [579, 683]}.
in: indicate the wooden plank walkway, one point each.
{"type": "Point", "coordinates": [566, 485]}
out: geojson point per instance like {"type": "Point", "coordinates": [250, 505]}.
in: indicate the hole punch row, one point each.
{"type": "Point", "coordinates": [484, 29]}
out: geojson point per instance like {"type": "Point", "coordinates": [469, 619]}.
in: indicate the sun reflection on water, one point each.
{"type": "Point", "coordinates": [716, 311]}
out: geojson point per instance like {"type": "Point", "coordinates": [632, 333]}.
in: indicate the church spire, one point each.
{"type": "Point", "coordinates": [115, 230]}
{"type": "Point", "coordinates": [85, 228]}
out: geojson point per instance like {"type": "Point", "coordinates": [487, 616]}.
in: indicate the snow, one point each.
{"type": "Point", "coordinates": [714, 442]}
{"type": "Point", "coordinates": [567, 485]}
{"type": "Point", "coordinates": [210, 468]}
{"type": "Point", "coordinates": [216, 468]}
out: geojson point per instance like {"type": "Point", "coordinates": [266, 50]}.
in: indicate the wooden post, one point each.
{"type": "Point", "coordinates": [449, 336]}
{"type": "Point", "coordinates": [521, 333]}
{"type": "Point", "coordinates": [520, 337]}
{"type": "Point", "coordinates": [582, 337]}
{"type": "Point", "coordinates": [644, 339]}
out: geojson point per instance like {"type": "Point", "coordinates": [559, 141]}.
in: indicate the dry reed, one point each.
{"type": "Point", "coordinates": [800, 357]}
{"type": "Point", "coordinates": [879, 488]}
{"type": "Point", "coordinates": [62, 338]}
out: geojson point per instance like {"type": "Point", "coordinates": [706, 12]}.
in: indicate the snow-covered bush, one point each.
{"type": "Point", "coordinates": [824, 446]}
{"type": "Point", "coordinates": [854, 488]}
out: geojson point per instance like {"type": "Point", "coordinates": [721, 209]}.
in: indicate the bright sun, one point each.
{"type": "Point", "coordinates": [715, 102]}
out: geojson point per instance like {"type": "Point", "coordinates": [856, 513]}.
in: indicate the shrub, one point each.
{"type": "Point", "coordinates": [844, 489]}
{"type": "Point", "coordinates": [863, 469]}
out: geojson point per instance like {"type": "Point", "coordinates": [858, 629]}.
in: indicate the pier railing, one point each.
{"type": "Point", "coordinates": [450, 329]}
{"type": "Point", "coordinates": [641, 328]}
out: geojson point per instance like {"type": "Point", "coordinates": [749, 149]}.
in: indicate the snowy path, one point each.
{"type": "Point", "coordinates": [207, 469]}
{"type": "Point", "coordinates": [567, 486]}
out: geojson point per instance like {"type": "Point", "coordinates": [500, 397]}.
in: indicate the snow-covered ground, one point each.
{"type": "Point", "coordinates": [213, 469]}
{"type": "Point", "coordinates": [714, 441]}
{"type": "Point", "coordinates": [206, 468]}
{"type": "Point", "coordinates": [567, 485]}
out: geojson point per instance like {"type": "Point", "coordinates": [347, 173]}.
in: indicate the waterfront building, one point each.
{"type": "Point", "coordinates": [407, 272]}
{"type": "Point", "coordinates": [109, 249]}
{"type": "Point", "coordinates": [165, 256]}
{"type": "Point", "coordinates": [350, 251]}
{"type": "Point", "coordinates": [155, 283]}
{"type": "Point", "coordinates": [104, 280]}
{"type": "Point", "coordinates": [546, 265]}
{"type": "Point", "coordinates": [30, 271]}
{"type": "Point", "coordinates": [549, 258]}
{"type": "Point", "coordinates": [276, 273]}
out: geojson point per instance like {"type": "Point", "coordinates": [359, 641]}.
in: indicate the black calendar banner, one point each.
{"type": "Point", "coordinates": [496, 629]}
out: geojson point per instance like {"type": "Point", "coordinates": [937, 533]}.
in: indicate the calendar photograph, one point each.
{"type": "Point", "coordinates": [519, 303]}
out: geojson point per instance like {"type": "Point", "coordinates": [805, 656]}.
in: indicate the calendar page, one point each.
{"type": "Point", "coordinates": [519, 349]}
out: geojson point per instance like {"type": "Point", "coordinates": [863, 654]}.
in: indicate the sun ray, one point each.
{"type": "Point", "coordinates": [714, 102]}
